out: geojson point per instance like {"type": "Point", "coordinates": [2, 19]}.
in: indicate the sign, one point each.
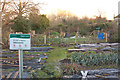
{"type": "Point", "coordinates": [98, 28]}
{"type": "Point", "coordinates": [100, 36]}
{"type": "Point", "coordinates": [20, 41]}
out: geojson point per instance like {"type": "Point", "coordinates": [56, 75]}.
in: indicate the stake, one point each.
{"type": "Point", "coordinates": [20, 63]}
{"type": "Point", "coordinates": [76, 38]}
{"type": "Point", "coordinates": [45, 39]}
{"type": "Point", "coordinates": [106, 37]}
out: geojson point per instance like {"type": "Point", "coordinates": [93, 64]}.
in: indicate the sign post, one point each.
{"type": "Point", "coordinates": [20, 42]}
{"type": "Point", "coordinates": [20, 63]}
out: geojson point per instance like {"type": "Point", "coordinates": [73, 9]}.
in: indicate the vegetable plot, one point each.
{"type": "Point", "coordinates": [92, 59]}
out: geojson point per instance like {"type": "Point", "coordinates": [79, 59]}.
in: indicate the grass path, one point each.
{"type": "Point", "coordinates": [57, 54]}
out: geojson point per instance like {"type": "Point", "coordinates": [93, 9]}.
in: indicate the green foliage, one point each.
{"type": "Point", "coordinates": [104, 26]}
{"type": "Point", "coordinates": [54, 33]}
{"type": "Point", "coordinates": [39, 23]}
{"type": "Point", "coordinates": [114, 37]}
{"type": "Point", "coordinates": [47, 71]}
{"type": "Point", "coordinates": [56, 55]}
{"type": "Point", "coordinates": [88, 59]}
{"type": "Point", "coordinates": [36, 22]}
{"type": "Point", "coordinates": [55, 40]}
{"type": "Point", "coordinates": [37, 39]}
{"type": "Point", "coordinates": [21, 24]}
{"type": "Point", "coordinates": [83, 28]}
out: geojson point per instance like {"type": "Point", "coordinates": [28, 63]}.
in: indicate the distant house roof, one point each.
{"type": "Point", "coordinates": [117, 19]}
{"type": "Point", "coordinates": [117, 16]}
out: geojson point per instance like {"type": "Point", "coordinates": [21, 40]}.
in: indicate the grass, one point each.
{"type": "Point", "coordinates": [49, 69]}
{"type": "Point", "coordinates": [57, 54]}
{"type": "Point", "coordinates": [10, 70]}
{"type": "Point", "coordinates": [32, 52]}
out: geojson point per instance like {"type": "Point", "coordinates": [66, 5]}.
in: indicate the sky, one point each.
{"type": "Point", "coordinates": [81, 8]}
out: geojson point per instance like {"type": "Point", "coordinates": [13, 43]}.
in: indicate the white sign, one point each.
{"type": "Point", "coordinates": [20, 41]}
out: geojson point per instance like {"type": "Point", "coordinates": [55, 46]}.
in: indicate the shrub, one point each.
{"type": "Point", "coordinates": [70, 68]}
{"type": "Point", "coordinates": [47, 71]}
{"type": "Point", "coordinates": [54, 33]}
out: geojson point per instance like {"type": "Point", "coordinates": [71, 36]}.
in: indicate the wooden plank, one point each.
{"type": "Point", "coordinates": [88, 49]}
{"type": "Point", "coordinates": [9, 75]}
{"type": "Point", "coordinates": [69, 50]}
{"type": "Point", "coordinates": [15, 76]}
{"type": "Point", "coordinates": [15, 59]}
{"type": "Point", "coordinates": [11, 65]}
{"type": "Point", "coordinates": [100, 76]}
{"type": "Point", "coordinates": [76, 49]}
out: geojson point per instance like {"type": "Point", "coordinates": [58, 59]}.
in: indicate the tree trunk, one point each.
{"type": "Point", "coordinates": [0, 27]}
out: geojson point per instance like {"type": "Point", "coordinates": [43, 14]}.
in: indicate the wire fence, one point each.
{"type": "Point", "coordinates": [54, 40]}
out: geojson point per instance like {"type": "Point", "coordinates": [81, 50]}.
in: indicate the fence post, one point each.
{"type": "Point", "coordinates": [76, 38]}
{"type": "Point", "coordinates": [45, 39]}
{"type": "Point", "coordinates": [106, 37]}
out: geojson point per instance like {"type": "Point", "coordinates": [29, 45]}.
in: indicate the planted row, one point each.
{"type": "Point", "coordinates": [88, 59]}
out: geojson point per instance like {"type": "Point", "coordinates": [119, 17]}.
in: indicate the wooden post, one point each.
{"type": "Point", "coordinates": [45, 39]}
{"type": "Point", "coordinates": [106, 37]}
{"type": "Point", "coordinates": [49, 37]}
{"type": "Point", "coordinates": [97, 33]}
{"type": "Point", "coordinates": [76, 38]}
{"type": "Point", "coordinates": [61, 34]}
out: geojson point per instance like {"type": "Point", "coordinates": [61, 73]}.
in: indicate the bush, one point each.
{"type": "Point", "coordinates": [21, 24]}
{"type": "Point", "coordinates": [70, 68]}
{"type": "Point", "coordinates": [54, 33]}
{"type": "Point", "coordinates": [38, 39]}
{"type": "Point", "coordinates": [54, 40]}
{"type": "Point", "coordinates": [47, 71]}
{"type": "Point", "coordinates": [114, 37]}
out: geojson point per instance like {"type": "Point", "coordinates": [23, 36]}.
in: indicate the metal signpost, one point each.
{"type": "Point", "coordinates": [20, 42]}
{"type": "Point", "coordinates": [20, 63]}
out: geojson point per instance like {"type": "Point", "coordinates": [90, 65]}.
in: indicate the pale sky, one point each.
{"type": "Point", "coordinates": [81, 8]}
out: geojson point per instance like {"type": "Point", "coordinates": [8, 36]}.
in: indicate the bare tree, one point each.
{"type": "Point", "coordinates": [2, 6]}
{"type": "Point", "coordinates": [11, 9]}
{"type": "Point", "coordinates": [24, 7]}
